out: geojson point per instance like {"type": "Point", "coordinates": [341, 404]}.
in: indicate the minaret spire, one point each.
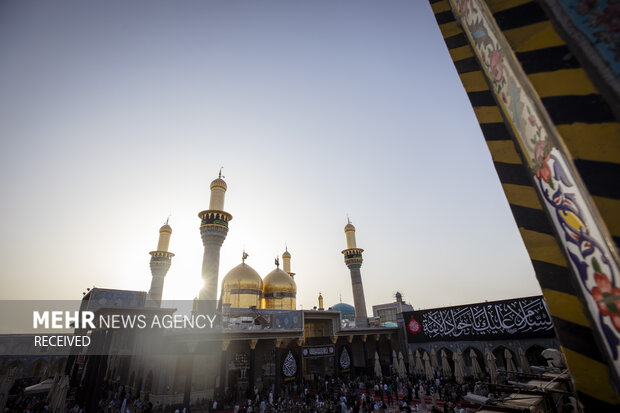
{"type": "Point", "coordinates": [353, 259]}
{"type": "Point", "coordinates": [213, 230]}
{"type": "Point", "coordinates": [286, 262]}
{"type": "Point", "coordinates": [160, 264]}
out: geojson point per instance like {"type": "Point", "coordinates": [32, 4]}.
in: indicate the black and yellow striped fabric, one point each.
{"type": "Point", "coordinates": [580, 116]}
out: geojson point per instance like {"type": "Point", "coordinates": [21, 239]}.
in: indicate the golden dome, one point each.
{"type": "Point", "coordinates": [277, 281]}
{"type": "Point", "coordinates": [219, 183]}
{"type": "Point", "coordinates": [242, 276]}
{"type": "Point", "coordinates": [286, 254]}
{"type": "Point", "coordinates": [166, 228]}
{"type": "Point", "coordinates": [279, 291]}
{"type": "Point", "coordinates": [242, 287]}
{"type": "Point", "coordinates": [349, 227]}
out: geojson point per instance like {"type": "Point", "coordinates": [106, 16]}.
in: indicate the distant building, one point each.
{"type": "Point", "coordinates": [391, 312]}
{"type": "Point", "coordinates": [347, 311]}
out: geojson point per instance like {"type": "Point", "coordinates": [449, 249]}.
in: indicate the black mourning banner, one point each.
{"type": "Point", "coordinates": [289, 365]}
{"type": "Point", "coordinates": [345, 359]}
{"type": "Point", "coordinates": [497, 320]}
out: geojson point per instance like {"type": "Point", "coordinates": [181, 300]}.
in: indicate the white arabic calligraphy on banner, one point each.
{"type": "Point", "coordinates": [317, 351]}
{"type": "Point", "coordinates": [489, 319]}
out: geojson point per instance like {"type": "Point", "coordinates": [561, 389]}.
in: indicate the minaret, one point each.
{"type": "Point", "coordinates": [213, 229]}
{"type": "Point", "coordinates": [320, 301]}
{"type": "Point", "coordinates": [160, 264]}
{"type": "Point", "coordinates": [353, 260]}
{"type": "Point", "coordinates": [286, 262]}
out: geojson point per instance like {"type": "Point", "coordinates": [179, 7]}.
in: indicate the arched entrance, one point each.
{"type": "Point", "coordinates": [59, 365]}
{"type": "Point", "coordinates": [469, 359]}
{"type": "Point", "coordinates": [238, 373]}
{"type": "Point", "coordinates": [39, 368]}
{"type": "Point", "coordinates": [16, 367]}
{"type": "Point", "coordinates": [420, 354]}
{"type": "Point", "coordinates": [534, 355]}
{"type": "Point", "coordinates": [444, 356]}
{"type": "Point", "coordinates": [500, 355]}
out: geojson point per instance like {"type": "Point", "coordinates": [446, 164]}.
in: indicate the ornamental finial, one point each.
{"type": "Point", "coordinates": [244, 256]}
{"type": "Point", "coordinates": [277, 262]}
{"type": "Point", "coordinates": [220, 174]}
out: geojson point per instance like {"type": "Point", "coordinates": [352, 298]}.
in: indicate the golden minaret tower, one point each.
{"type": "Point", "coordinates": [213, 230]}
{"type": "Point", "coordinates": [286, 262]}
{"type": "Point", "coordinates": [160, 264]}
{"type": "Point", "coordinates": [353, 259]}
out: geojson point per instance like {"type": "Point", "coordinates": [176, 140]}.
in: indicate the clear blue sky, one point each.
{"type": "Point", "coordinates": [115, 113]}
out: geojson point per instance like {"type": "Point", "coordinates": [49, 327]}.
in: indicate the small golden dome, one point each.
{"type": "Point", "coordinates": [277, 281]}
{"type": "Point", "coordinates": [242, 277]}
{"type": "Point", "coordinates": [286, 254]}
{"type": "Point", "coordinates": [349, 227]}
{"type": "Point", "coordinates": [166, 228]}
{"type": "Point", "coordinates": [219, 183]}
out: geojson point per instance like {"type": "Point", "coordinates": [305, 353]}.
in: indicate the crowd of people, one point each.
{"type": "Point", "coordinates": [331, 394]}
{"type": "Point", "coordinates": [344, 394]}
{"type": "Point", "coordinates": [118, 400]}
{"type": "Point", "coordinates": [353, 394]}
{"type": "Point", "coordinates": [347, 394]}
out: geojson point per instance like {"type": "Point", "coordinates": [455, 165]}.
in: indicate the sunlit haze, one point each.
{"type": "Point", "coordinates": [115, 114]}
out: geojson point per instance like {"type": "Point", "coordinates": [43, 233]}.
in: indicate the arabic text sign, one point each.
{"type": "Point", "coordinates": [507, 319]}
{"type": "Point", "coordinates": [318, 351]}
